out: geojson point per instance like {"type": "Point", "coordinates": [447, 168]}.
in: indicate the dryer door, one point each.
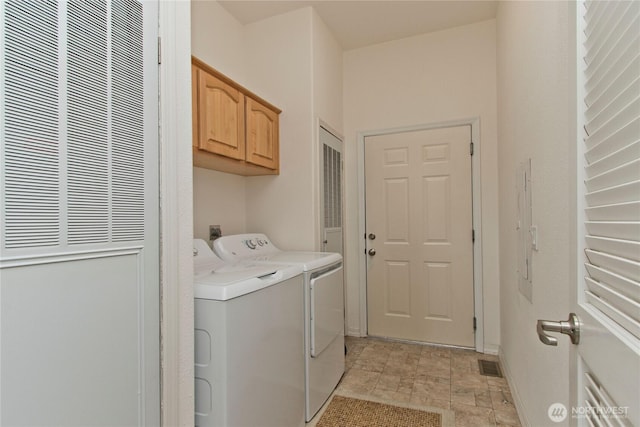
{"type": "Point", "coordinates": [327, 309]}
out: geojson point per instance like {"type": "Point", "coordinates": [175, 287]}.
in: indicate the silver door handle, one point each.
{"type": "Point", "coordinates": [570, 327]}
{"type": "Point", "coordinates": [372, 252]}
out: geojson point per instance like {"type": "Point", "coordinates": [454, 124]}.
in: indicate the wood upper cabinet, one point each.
{"type": "Point", "coordinates": [262, 134]}
{"type": "Point", "coordinates": [235, 131]}
{"type": "Point", "coordinates": [221, 114]}
{"type": "Point", "coordinates": [194, 104]}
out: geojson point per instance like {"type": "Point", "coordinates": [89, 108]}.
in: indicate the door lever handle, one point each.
{"type": "Point", "coordinates": [569, 327]}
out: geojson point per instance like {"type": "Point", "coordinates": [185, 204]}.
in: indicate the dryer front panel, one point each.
{"type": "Point", "coordinates": [327, 309]}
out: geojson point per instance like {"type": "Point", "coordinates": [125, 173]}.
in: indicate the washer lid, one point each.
{"type": "Point", "coordinates": [308, 260]}
{"type": "Point", "coordinates": [235, 280]}
{"type": "Point", "coordinates": [219, 280]}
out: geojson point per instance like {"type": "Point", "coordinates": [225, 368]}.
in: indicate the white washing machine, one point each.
{"type": "Point", "coordinates": [323, 303]}
{"type": "Point", "coordinates": [249, 357]}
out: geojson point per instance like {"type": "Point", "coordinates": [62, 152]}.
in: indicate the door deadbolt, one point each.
{"type": "Point", "coordinates": [372, 236]}
{"type": "Point", "coordinates": [372, 252]}
{"type": "Point", "coordinates": [570, 327]}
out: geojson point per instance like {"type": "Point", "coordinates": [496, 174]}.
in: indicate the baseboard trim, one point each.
{"type": "Point", "coordinates": [491, 349]}
{"type": "Point", "coordinates": [354, 332]}
{"type": "Point", "coordinates": [517, 400]}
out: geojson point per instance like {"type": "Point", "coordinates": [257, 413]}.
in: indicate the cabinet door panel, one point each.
{"type": "Point", "coordinates": [262, 135]}
{"type": "Point", "coordinates": [194, 105]}
{"type": "Point", "coordinates": [221, 118]}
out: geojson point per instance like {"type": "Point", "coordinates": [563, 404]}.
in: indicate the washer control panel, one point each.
{"type": "Point", "coordinates": [255, 243]}
{"type": "Point", "coordinates": [233, 247]}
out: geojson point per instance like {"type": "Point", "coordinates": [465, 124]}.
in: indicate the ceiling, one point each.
{"type": "Point", "coordinates": [358, 23]}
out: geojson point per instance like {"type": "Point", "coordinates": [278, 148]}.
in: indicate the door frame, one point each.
{"type": "Point", "coordinates": [176, 214]}
{"type": "Point", "coordinates": [474, 122]}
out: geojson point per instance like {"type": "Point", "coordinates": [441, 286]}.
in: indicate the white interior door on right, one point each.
{"type": "Point", "coordinates": [605, 372]}
{"type": "Point", "coordinates": [419, 236]}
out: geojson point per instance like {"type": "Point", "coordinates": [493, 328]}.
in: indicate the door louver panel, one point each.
{"type": "Point", "coordinates": [127, 149]}
{"type": "Point", "coordinates": [87, 124]}
{"type": "Point", "coordinates": [332, 176]}
{"type": "Point", "coordinates": [73, 164]}
{"type": "Point", "coordinates": [599, 407]}
{"type": "Point", "coordinates": [31, 125]}
{"type": "Point", "coordinates": [612, 141]}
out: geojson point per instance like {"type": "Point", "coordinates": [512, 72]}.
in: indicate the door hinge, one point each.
{"type": "Point", "coordinates": [473, 235]}
{"type": "Point", "coordinates": [475, 323]}
{"type": "Point", "coordinates": [471, 148]}
{"type": "Point", "coordinates": [159, 50]}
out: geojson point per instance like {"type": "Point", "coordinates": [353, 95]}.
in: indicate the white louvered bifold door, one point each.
{"type": "Point", "coordinates": [609, 298]}
{"type": "Point", "coordinates": [79, 286]}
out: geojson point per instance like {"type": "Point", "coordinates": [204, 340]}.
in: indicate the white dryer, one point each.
{"type": "Point", "coordinates": [323, 305]}
{"type": "Point", "coordinates": [249, 358]}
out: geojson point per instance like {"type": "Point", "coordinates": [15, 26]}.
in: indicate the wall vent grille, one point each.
{"type": "Point", "coordinates": [489, 368]}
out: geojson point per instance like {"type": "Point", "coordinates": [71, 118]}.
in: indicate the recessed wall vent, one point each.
{"type": "Point", "coordinates": [489, 368]}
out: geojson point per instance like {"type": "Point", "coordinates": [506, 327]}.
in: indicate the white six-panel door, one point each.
{"type": "Point", "coordinates": [419, 235]}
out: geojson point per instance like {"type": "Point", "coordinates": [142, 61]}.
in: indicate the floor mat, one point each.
{"type": "Point", "coordinates": [348, 411]}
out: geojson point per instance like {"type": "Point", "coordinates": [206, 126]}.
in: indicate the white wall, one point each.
{"type": "Point", "coordinates": [217, 38]}
{"type": "Point", "coordinates": [294, 62]}
{"type": "Point", "coordinates": [435, 77]}
{"type": "Point", "coordinates": [327, 100]}
{"type": "Point", "coordinates": [327, 74]}
{"type": "Point", "coordinates": [218, 199]}
{"type": "Point", "coordinates": [279, 66]}
{"type": "Point", "coordinates": [535, 122]}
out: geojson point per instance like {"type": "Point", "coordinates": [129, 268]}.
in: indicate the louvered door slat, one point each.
{"type": "Point", "coordinates": [30, 162]}
{"type": "Point", "coordinates": [127, 144]}
{"type": "Point", "coordinates": [88, 132]}
{"type": "Point", "coordinates": [620, 284]}
{"type": "Point", "coordinates": [612, 47]}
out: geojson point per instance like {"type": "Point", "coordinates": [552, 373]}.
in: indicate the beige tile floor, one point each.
{"type": "Point", "coordinates": [430, 376]}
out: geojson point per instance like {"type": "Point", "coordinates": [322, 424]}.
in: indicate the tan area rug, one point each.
{"type": "Point", "coordinates": [345, 411]}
